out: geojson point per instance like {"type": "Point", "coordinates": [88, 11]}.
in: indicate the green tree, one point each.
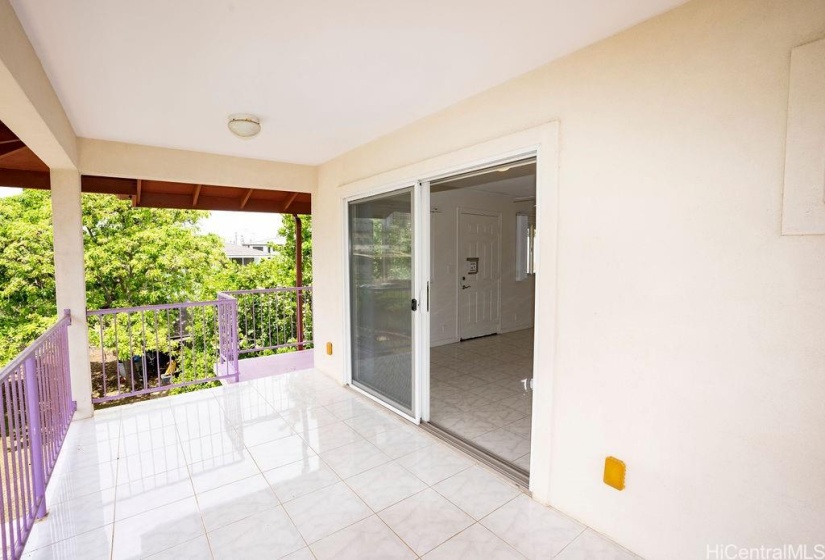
{"type": "Point", "coordinates": [145, 256]}
{"type": "Point", "coordinates": [27, 300]}
{"type": "Point", "coordinates": [133, 256]}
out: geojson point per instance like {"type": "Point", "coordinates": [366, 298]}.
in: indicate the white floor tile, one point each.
{"type": "Point", "coordinates": [137, 443]}
{"type": "Point", "coordinates": [593, 546]}
{"type": "Point", "coordinates": [301, 477]}
{"type": "Point", "coordinates": [476, 491]}
{"type": "Point", "coordinates": [281, 452]}
{"type": "Point", "coordinates": [323, 512]}
{"type": "Point", "coordinates": [369, 539]}
{"type": "Point", "coordinates": [330, 436]}
{"type": "Point", "coordinates": [157, 530]}
{"type": "Point", "coordinates": [81, 481]}
{"type": "Point", "coordinates": [235, 501]}
{"type": "Point", "coordinates": [196, 549]}
{"type": "Point", "coordinates": [92, 545]}
{"type": "Point", "coordinates": [506, 445]}
{"type": "Point", "coordinates": [523, 462]}
{"type": "Point", "coordinates": [189, 487]}
{"type": "Point", "coordinates": [498, 414]}
{"type": "Point", "coordinates": [148, 463]}
{"type": "Point", "coordinates": [385, 485]}
{"type": "Point", "coordinates": [208, 447]}
{"type": "Point", "coordinates": [522, 427]}
{"type": "Point", "coordinates": [305, 419]}
{"type": "Point", "coordinates": [133, 498]}
{"type": "Point", "coordinates": [88, 454]}
{"type": "Point", "coordinates": [350, 408]}
{"type": "Point", "coordinates": [434, 463]}
{"type": "Point", "coordinates": [263, 430]}
{"type": "Point", "coordinates": [534, 530]}
{"type": "Point", "coordinates": [372, 423]}
{"type": "Point", "coordinates": [400, 441]}
{"type": "Point", "coordinates": [74, 517]}
{"type": "Point", "coordinates": [425, 520]}
{"type": "Point", "coordinates": [354, 458]}
{"type": "Point", "coordinates": [218, 471]}
{"type": "Point", "coordinates": [302, 554]}
{"type": "Point", "coordinates": [268, 535]}
{"type": "Point", "coordinates": [472, 544]}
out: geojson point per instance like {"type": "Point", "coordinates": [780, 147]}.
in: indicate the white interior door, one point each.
{"type": "Point", "coordinates": [479, 246]}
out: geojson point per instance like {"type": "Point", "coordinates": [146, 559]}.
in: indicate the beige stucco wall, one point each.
{"type": "Point", "coordinates": [690, 332]}
{"type": "Point", "coordinates": [118, 159]}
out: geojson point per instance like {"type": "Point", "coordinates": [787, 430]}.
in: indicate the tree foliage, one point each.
{"type": "Point", "coordinates": [27, 289]}
{"type": "Point", "coordinates": [145, 256]}
{"type": "Point", "coordinates": [133, 256]}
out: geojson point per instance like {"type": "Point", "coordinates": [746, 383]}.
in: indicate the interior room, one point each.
{"type": "Point", "coordinates": [482, 228]}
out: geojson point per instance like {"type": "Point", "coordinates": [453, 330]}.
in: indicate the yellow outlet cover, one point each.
{"type": "Point", "coordinates": [329, 349]}
{"type": "Point", "coordinates": [614, 471]}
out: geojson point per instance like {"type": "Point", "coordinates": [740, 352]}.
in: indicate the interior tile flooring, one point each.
{"type": "Point", "coordinates": [292, 466]}
{"type": "Point", "coordinates": [476, 392]}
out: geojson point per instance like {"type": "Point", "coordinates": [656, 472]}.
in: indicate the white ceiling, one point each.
{"type": "Point", "coordinates": [324, 75]}
{"type": "Point", "coordinates": [517, 187]}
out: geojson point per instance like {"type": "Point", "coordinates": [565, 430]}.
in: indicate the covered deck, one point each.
{"type": "Point", "coordinates": [289, 466]}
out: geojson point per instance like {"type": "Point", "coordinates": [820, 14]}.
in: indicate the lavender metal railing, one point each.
{"type": "Point", "coordinates": [273, 318]}
{"type": "Point", "coordinates": [37, 408]}
{"type": "Point", "coordinates": [152, 348]}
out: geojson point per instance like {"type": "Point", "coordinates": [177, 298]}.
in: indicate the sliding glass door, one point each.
{"type": "Point", "coordinates": [382, 297]}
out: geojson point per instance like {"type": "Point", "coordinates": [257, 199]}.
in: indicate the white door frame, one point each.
{"type": "Point", "coordinates": [490, 213]}
{"type": "Point", "coordinates": [541, 142]}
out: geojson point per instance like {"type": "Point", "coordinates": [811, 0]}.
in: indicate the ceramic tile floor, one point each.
{"type": "Point", "coordinates": [293, 467]}
{"type": "Point", "coordinates": [476, 391]}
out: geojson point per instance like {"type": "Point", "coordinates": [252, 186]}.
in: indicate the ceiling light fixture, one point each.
{"type": "Point", "coordinates": [244, 126]}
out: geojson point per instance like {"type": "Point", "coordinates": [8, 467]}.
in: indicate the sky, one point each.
{"type": "Point", "coordinates": [246, 226]}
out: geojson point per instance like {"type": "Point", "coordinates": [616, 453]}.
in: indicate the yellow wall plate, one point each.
{"type": "Point", "coordinates": [329, 349]}
{"type": "Point", "coordinates": [614, 471]}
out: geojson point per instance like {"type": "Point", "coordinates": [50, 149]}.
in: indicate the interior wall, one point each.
{"type": "Point", "coordinates": [516, 297]}
{"type": "Point", "coordinates": [689, 331]}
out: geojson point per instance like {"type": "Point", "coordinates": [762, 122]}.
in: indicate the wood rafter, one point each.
{"type": "Point", "coordinates": [290, 200]}
{"type": "Point", "coordinates": [246, 198]}
{"type": "Point", "coordinates": [159, 194]}
{"type": "Point", "coordinates": [11, 147]}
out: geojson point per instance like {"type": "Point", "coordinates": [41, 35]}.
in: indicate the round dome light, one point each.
{"type": "Point", "coordinates": [243, 125]}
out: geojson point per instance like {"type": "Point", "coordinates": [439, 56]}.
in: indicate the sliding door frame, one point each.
{"type": "Point", "coordinates": [416, 316]}
{"type": "Point", "coordinates": [541, 142]}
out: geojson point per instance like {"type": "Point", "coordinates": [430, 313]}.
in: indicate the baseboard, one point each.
{"type": "Point", "coordinates": [514, 328]}
{"type": "Point", "coordinates": [443, 342]}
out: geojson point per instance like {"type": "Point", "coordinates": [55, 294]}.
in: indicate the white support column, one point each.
{"type": "Point", "coordinates": [70, 278]}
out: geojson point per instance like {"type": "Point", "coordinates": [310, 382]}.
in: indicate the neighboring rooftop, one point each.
{"type": "Point", "coordinates": [240, 251]}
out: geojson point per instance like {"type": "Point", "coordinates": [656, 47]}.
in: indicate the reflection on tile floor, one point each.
{"type": "Point", "coordinates": [294, 467]}
{"type": "Point", "coordinates": [476, 392]}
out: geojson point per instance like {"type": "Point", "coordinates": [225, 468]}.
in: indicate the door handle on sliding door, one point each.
{"type": "Point", "coordinates": [414, 305]}
{"type": "Point", "coordinates": [428, 296]}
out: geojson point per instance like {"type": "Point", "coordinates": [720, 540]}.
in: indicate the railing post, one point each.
{"type": "Point", "coordinates": [35, 433]}
{"type": "Point", "coordinates": [299, 279]}
{"type": "Point", "coordinates": [236, 344]}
